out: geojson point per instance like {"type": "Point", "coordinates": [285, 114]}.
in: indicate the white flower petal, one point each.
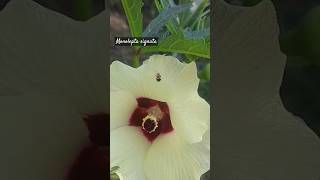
{"type": "Point", "coordinates": [206, 139]}
{"type": "Point", "coordinates": [254, 136]}
{"type": "Point", "coordinates": [168, 69]}
{"type": "Point", "coordinates": [204, 148]}
{"type": "Point", "coordinates": [128, 147]}
{"type": "Point", "coordinates": [190, 118]}
{"type": "Point", "coordinates": [123, 105]}
{"type": "Point", "coordinates": [187, 83]}
{"type": "Point", "coordinates": [171, 158]}
{"type": "Point", "coordinates": [178, 80]}
{"type": "Point", "coordinates": [125, 78]}
{"type": "Point", "coordinates": [40, 137]}
{"type": "Point", "coordinates": [42, 50]}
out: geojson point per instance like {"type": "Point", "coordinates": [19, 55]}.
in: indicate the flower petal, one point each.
{"type": "Point", "coordinates": [40, 137]}
{"type": "Point", "coordinates": [190, 118]}
{"type": "Point", "coordinates": [42, 50]}
{"type": "Point", "coordinates": [125, 78]}
{"type": "Point", "coordinates": [178, 80]}
{"type": "Point", "coordinates": [122, 106]}
{"type": "Point", "coordinates": [187, 82]}
{"type": "Point", "coordinates": [171, 158]}
{"type": "Point", "coordinates": [128, 147]}
{"type": "Point", "coordinates": [206, 139]}
{"type": "Point", "coordinates": [255, 137]}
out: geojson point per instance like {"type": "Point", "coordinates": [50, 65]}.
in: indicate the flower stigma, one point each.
{"type": "Point", "coordinates": [150, 123]}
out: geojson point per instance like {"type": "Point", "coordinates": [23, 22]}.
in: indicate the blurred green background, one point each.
{"type": "Point", "coordinates": [299, 23]}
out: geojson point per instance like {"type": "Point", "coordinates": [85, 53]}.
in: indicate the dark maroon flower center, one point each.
{"type": "Point", "coordinates": [152, 116]}
{"type": "Point", "coordinates": [93, 161]}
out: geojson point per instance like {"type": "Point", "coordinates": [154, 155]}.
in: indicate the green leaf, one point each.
{"type": "Point", "coordinates": [166, 3]}
{"type": "Point", "coordinates": [177, 44]}
{"type": "Point", "coordinates": [196, 16]}
{"type": "Point", "coordinates": [189, 58]}
{"type": "Point", "coordinates": [184, 15]}
{"type": "Point", "coordinates": [171, 25]}
{"type": "Point", "coordinates": [185, 1]}
{"type": "Point", "coordinates": [158, 5]}
{"type": "Point", "coordinates": [163, 35]}
{"type": "Point", "coordinates": [133, 12]}
{"type": "Point", "coordinates": [196, 35]}
{"type": "Point", "coordinates": [204, 89]}
{"type": "Point", "coordinates": [205, 73]}
{"type": "Point", "coordinates": [162, 19]}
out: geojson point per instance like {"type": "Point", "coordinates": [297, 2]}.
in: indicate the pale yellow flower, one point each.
{"type": "Point", "coordinates": [159, 123]}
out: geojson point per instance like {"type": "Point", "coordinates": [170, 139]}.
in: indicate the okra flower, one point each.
{"type": "Point", "coordinates": [159, 123]}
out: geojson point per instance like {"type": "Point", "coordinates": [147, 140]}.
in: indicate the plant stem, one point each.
{"type": "Point", "coordinates": [136, 57]}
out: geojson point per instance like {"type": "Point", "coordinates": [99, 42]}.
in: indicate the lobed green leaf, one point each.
{"type": "Point", "coordinates": [133, 12]}
{"type": "Point", "coordinates": [162, 19]}
{"type": "Point", "coordinates": [172, 24]}
{"type": "Point", "coordinates": [178, 44]}
{"type": "Point", "coordinates": [197, 35]}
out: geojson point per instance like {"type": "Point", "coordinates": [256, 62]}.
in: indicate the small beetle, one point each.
{"type": "Point", "coordinates": [158, 77]}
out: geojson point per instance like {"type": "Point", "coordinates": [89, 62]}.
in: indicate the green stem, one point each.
{"type": "Point", "coordinates": [136, 57]}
